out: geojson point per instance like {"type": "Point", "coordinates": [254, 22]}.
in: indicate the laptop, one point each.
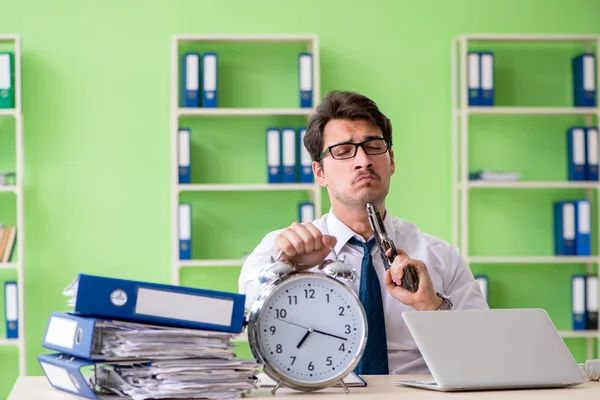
{"type": "Point", "coordinates": [491, 349]}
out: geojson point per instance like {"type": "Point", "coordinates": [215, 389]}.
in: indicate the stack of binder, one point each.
{"type": "Point", "coordinates": [584, 302]}
{"type": "Point", "coordinates": [572, 228]}
{"type": "Point", "coordinates": [582, 153]}
{"type": "Point", "coordinates": [144, 340]}
{"type": "Point", "coordinates": [288, 160]}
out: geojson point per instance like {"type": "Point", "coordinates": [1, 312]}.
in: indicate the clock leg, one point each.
{"type": "Point", "coordinates": [341, 381]}
{"type": "Point", "coordinates": [277, 386]}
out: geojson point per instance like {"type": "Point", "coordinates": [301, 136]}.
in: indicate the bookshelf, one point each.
{"type": "Point", "coordinates": [14, 43]}
{"type": "Point", "coordinates": [462, 121]}
{"type": "Point", "coordinates": [238, 190]}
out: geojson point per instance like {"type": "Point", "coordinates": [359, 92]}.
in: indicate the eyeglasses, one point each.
{"type": "Point", "coordinates": [345, 151]}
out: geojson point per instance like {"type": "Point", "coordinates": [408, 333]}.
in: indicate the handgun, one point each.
{"type": "Point", "coordinates": [410, 281]}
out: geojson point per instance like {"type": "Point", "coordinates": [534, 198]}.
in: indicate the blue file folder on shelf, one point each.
{"type": "Point", "coordinates": [154, 303]}
{"type": "Point", "coordinates": [591, 301]}
{"type": "Point", "coordinates": [584, 80]}
{"type": "Point", "coordinates": [273, 142]}
{"type": "Point", "coordinates": [305, 68]}
{"type": "Point", "coordinates": [576, 153]}
{"type": "Point", "coordinates": [185, 231]}
{"type": "Point", "coordinates": [305, 169]}
{"type": "Point", "coordinates": [184, 155]}
{"type": "Point", "coordinates": [564, 228]}
{"type": "Point", "coordinates": [288, 155]}
{"type": "Point", "coordinates": [306, 212]}
{"type": "Point", "coordinates": [209, 72]}
{"type": "Point", "coordinates": [190, 80]}
{"type": "Point", "coordinates": [482, 280]}
{"type": "Point", "coordinates": [591, 151]}
{"type": "Point", "coordinates": [486, 97]}
{"type": "Point", "coordinates": [583, 222]}
{"type": "Point", "coordinates": [473, 78]}
{"type": "Point", "coordinates": [578, 302]}
{"type": "Point", "coordinates": [11, 309]}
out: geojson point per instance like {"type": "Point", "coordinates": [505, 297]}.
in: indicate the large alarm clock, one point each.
{"type": "Point", "coordinates": [308, 328]}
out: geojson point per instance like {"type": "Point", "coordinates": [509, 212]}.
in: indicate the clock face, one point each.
{"type": "Point", "coordinates": [311, 329]}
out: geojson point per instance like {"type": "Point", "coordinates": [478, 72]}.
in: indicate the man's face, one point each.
{"type": "Point", "coordinates": [364, 178]}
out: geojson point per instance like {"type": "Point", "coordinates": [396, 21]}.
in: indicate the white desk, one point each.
{"type": "Point", "coordinates": [379, 387]}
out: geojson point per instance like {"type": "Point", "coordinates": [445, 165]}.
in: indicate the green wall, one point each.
{"type": "Point", "coordinates": [96, 104]}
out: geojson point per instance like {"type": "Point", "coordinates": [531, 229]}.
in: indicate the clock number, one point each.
{"type": "Point", "coordinates": [293, 299]}
{"type": "Point", "coordinates": [309, 293]}
{"type": "Point", "coordinates": [272, 329]}
{"type": "Point", "coordinates": [293, 359]}
{"type": "Point", "coordinates": [311, 366]}
{"type": "Point", "coordinates": [279, 349]}
{"type": "Point", "coordinates": [342, 348]}
{"type": "Point", "coordinates": [329, 361]}
{"type": "Point", "coordinates": [281, 313]}
{"type": "Point", "coordinates": [341, 311]}
{"type": "Point", "coordinates": [347, 329]}
{"type": "Point", "coordinates": [327, 295]}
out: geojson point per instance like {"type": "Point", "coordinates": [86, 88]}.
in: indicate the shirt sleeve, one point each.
{"type": "Point", "coordinates": [248, 283]}
{"type": "Point", "coordinates": [462, 288]}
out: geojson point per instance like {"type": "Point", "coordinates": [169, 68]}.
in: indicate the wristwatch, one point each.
{"type": "Point", "coordinates": [446, 303]}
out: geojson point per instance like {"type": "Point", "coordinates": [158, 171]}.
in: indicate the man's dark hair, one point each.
{"type": "Point", "coordinates": [342, 105]}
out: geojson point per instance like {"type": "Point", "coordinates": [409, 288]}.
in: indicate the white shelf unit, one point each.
{"type": "Point", "coordinates": [461, 114]}
{"type": "Point", "coordinates": [313, 189]}
{"type": "Point", "coordinates": [17, 113]}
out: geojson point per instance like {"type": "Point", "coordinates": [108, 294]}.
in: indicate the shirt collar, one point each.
{"type": "Point", "coordinates": [343, 233]}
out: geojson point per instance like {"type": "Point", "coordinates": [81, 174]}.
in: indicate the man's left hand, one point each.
{"type": "Point", "coordinates": [425, 297]}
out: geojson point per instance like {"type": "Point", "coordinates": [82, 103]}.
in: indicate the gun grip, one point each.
{"type": "Point", "coordinates": [410, 280]}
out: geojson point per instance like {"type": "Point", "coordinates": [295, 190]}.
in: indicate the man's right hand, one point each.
{"type": "Point", "coordinates": [304, 245]}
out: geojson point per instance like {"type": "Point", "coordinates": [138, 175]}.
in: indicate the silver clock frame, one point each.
{"type": "Point", "coordinates": [279, 376]}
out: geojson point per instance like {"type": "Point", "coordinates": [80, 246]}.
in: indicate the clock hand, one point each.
{"type": "Point", "coordinates": [314, 330]}
{"type": "Point", "coordinates": [299, 326]}
{"type": "Point", "coordinates": [304, 337]}
{"type": "Point", "coordinates": [329, 334]}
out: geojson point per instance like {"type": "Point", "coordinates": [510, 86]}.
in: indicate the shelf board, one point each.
{"type": "Point", "coordinates": [531, 37]}
{"type": "Point", "coordinates": [212, 263]}
{"type": "Point", "coordinates": [580, 334]}
{"type": "Point", "coordinates": [8, 112]}
{"type": "Point", "coordinates": [533, 260]}
{"type": "Point", "coordinates": [263, 38]}
{"type": "Point", "coordinates": [9, 342]}
{"type": "Point", "coordinates": [245, 187]}
{"type": "Point", "coordinates": [9, 265]}
{"type": "Point", "coordinates": [12, 189]}
{"type": "Point", "coordinates": [241, 112]}
{"type": "Point", "coordinates": [531, 110]}
{"type": "Point", "coordinates": [533, 185]}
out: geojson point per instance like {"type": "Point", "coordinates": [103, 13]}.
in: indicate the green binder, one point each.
{"type": "Point", "coordinates": [7, 82]}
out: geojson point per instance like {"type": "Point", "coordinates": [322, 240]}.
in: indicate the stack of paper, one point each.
{"type": "Point", "coordinates": [179, 379]}
{"type": "Point", "coordinates": [120, 339]}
